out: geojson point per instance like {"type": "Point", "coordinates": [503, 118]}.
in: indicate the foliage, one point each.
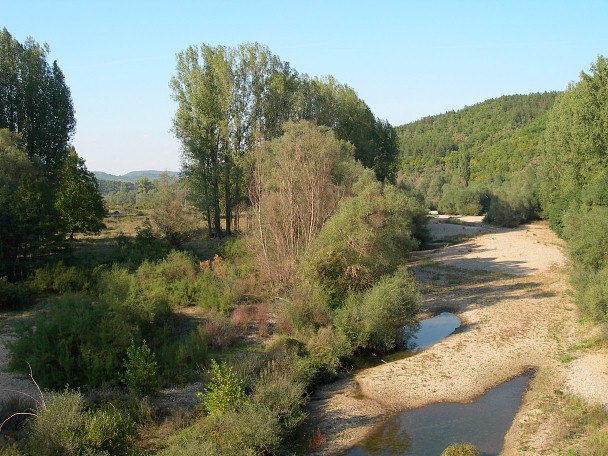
{"type": "Point", "coordinates": [59, 278]}
{"type": "Point", "coordinates": [492, 140]}
{"type": "Point", "coordinates": [28, 220]}
{"type": "Point", "coordinates": [297, 182]}
{"type": "Point", "coordinates": [376, 319]}
{"type": "Point", "coordinates": [140, 369]}
{"type": "Point", "coordinates": [368, 237]}
{"type": "Point", "coordinates": [78, 200]}
{"type": "Point", "coordinates": [14, 295]}
{"type": "Point", "coordinates": [64, 426]}
{"type": "Point", "coordinates": [35, 101]}
{"type": "Point", "coordinates": [279, 389]}
{"type": "Point", "coordinates": [224, 392]}
{"type": "Point", "coordinates": [229, 99]}
{"type": "Point", "coordinates": [462, 200]}
{"type": "Point", "coordinates": [574, 143]}
{"type": "Point", "coordinates": [514, 201]}
{"type": "Point", "coordinates": [253, 430]}
{"type": "Point", "coordinates": [461, 449]}
{"type": "Point", "coordinates": [171, 216]}
{"type": "Point", "coordinates": [574, 179]}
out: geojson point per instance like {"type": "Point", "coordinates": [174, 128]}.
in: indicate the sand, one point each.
{"type": "Point", "coordinates": [510, 290]}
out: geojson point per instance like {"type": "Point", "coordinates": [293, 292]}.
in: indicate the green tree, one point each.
{"type": "Point", "coordinates": [575, 143]}
{"type": "Point", "coordinates": [79, 203]}
{"type": "Point", "coordinates": [172, 216]}
{"type": "Point", "coordinates": [27, 219]}
{"type": "Point", "coordinates": [227, 99]}
{"type": "Point", "coordinates": [35, 101]}
{"type": "Point", "coordinates": [297, 181]}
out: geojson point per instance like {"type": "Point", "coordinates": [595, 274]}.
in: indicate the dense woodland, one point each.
{"type": "Point", "coordinates": [277, 256]}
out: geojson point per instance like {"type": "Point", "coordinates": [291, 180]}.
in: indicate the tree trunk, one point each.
{"type": "Point", "coordinates": [228, 202]}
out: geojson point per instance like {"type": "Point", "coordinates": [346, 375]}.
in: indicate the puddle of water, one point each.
{"type": "Point", "coordinates": [430, 430]}
{"type": "Point", "coordinates": [433, 330]}
{"type": "Point", "coordinates": [428, 333]}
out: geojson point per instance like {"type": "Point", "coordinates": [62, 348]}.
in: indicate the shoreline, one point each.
{"type": "Point", "coordinates": [509, 289]}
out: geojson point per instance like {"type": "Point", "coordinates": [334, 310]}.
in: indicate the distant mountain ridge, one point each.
{"type": "Point", "coordinates": [133, 176]}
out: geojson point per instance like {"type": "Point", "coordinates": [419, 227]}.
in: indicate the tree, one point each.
{"type": "Point", "coordinates": [26, 222]}
{"type": "Point", "coordinates": [79, 203]}
{"type": "Point", "coordinates": [226, 99]}
{"type": "Point", "coordinates": [297, 181]}
{"type": "Point", "coordinates": [171, 215]}
{"type": "Point", "coordinates": [575, 143]}
{"type": "Point", "coordinates": [35, 101]}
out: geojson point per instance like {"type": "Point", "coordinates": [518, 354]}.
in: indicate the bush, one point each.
{"type": "Point", "coordinates": [369, 236]}
{"type": "Point", "coordinates": [140, 369]}
{"type": "Point", "coordinates": [281, 391]}
{"type": "Point", "coordinates": [377, 319]}
{"type": "Point", "coordinates": [63, 426]}
{"type": "Point", "coordinates": [462, 200]}
{"type": "Point", "coordinates": [224, 391]}
{"type": "Point", "coordinates": [514, 201]}
{"type": "Point", "coordinates": [251, 430]}
{"type": "Point", "coordinates": [219, 329]}
{"type": "Point", "coordinates": [181, 358]}
{"type": "Point", "coordinates": [461, 449]}
{"type": "Point", "coordinates": [60, 278]}
{"type": "Point", "coordinates": [14, 295]}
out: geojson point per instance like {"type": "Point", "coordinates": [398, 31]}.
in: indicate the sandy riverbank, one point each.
{"type": "Point", "coordinates": [510, 290]}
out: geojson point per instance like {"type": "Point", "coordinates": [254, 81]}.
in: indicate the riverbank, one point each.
{"type": "Point", "coordinates": [510, 289]}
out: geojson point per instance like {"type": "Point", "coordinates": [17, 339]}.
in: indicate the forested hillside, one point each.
{"type": "Point", "coordinates": [458, 160]}
{"type": "Point", "coordinates": [481, 131]}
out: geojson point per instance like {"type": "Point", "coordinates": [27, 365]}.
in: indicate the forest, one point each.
{"type": "Point", "coordinates": [276, 257]}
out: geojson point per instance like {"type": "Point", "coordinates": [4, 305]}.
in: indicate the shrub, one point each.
{"type": "Point", "coordinates": [280, 390]}
{"type": "Point", "coordinates": [223, 392]}
{"type": "Point", "coordinates": [181, 358]}
{"type": "Point", "coordinates": [325, 348]}
{"type": "Point", "coordinates": [219, 330]}
{"type": "Point", "coordinates": [368, 237]}
{"type": "Point", "coordinates": [63, 426]}
{"type": "Point", "coordinates": [14, 295]}
{"type": "Point", "coordinates": [377, 319]}
{"type": "Point", "coordinates": [10, 406]}
{"type": "Point", "coordinates": [462, 200]}
{"type": "Point", "coordinates": [461, 449]}
{"type": "Point", "coordinates": [251, 430]}
{"type": "Point", "coordinates": [514, 201]}
{"type": "Point", "coordinates": [240, 317]}
{"type": "Point", "coordinates": [60, 278]}
{"type": "Point", "coordinates": [140, 369]}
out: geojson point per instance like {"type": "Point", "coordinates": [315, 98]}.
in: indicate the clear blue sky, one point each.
{"type": "Point", "coordinates": [406, 59]}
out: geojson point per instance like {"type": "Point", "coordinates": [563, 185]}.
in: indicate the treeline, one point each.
{"type": "Point", "coordinates": [46, 191]}
{"type": "Point", "coordinates": [464, 162]}
{"type": "Point", "coordinates": [230, 99]}
{"type": "Point", "coordinates": [574, 183]}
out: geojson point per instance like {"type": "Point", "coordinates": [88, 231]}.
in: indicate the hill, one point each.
{"type": "Point", "coordinates": [132, 176]}
{"type": "Point", "coordinates": [497, 136]}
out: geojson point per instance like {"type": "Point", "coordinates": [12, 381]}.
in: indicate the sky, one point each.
{"type": "Point", "coordinates": [406, 59]}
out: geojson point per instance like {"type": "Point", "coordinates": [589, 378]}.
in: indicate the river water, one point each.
{"type": "Point", "coordinates": [429, 430]}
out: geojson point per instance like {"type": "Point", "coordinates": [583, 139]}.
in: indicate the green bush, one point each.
{"type": "Point", "coordinates": [64, 426]}
{"type": "Point", "coordinates": [460, 200]}
{"type": "Point", "coordinates": [140, 369]}
{"type": "Point", "coordinates": [514, 201]}
{"type": "Point", "coordinates": [223, 392]}
{"type": "Point", "coordinates": [60, 278]}
{"type": "Point", "coordinates": [376, 320]}
{"type": "Point", "coordinates": [369, 236]}
{"type": "Point", "coordinates": [279, 389]}
{"type": "Point", "coordinates": [14, 295]}
{"type": "Point", "coordinates": [461, 449]}
{"type": "Point", "coordinates": [181, 357]}
{"type": "Point", "coordinates": [253, 429]}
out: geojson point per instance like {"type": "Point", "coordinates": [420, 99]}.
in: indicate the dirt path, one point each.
{"type": "Point", "coordinates": [509, 289]}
